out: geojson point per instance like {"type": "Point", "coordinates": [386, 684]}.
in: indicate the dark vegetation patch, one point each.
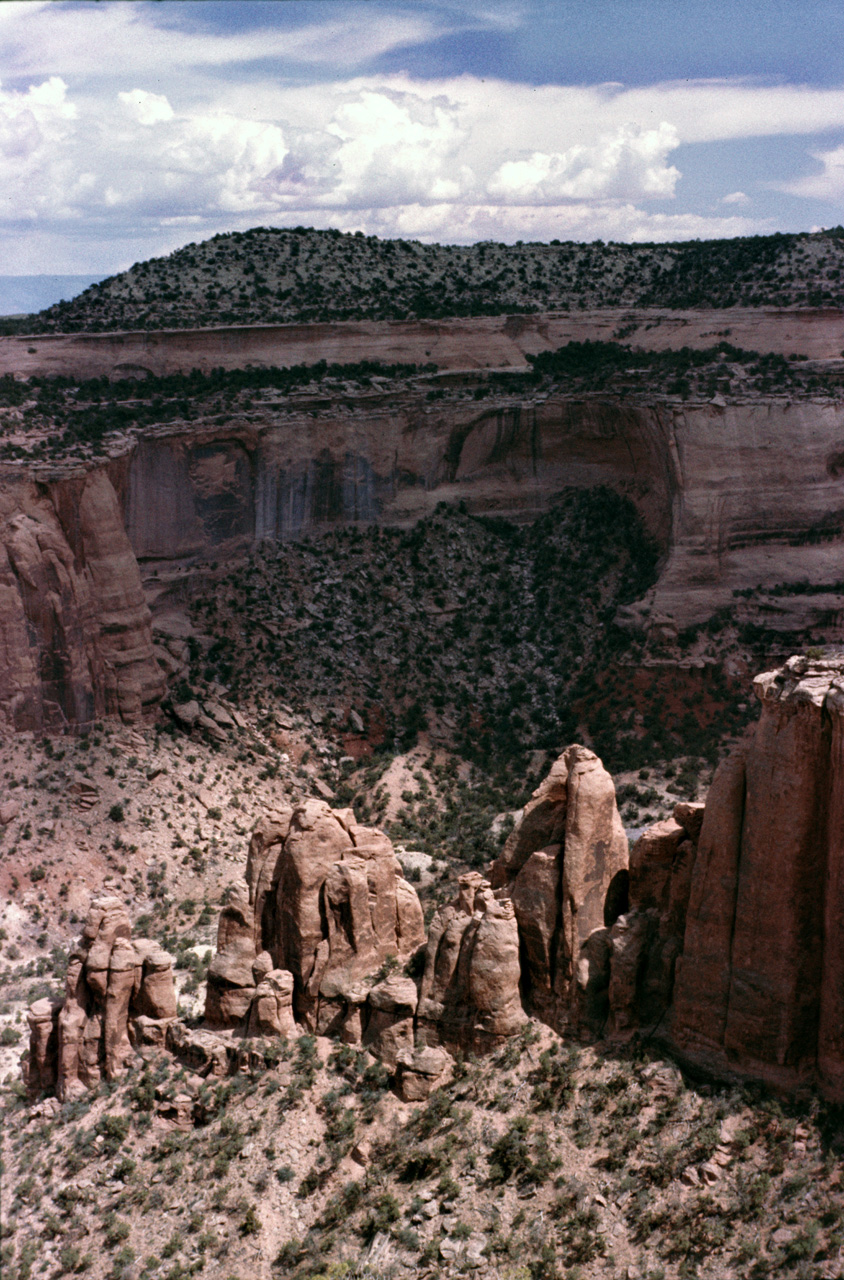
{"type": "Point", "coordinates": [72, 416]}
{"type": "Point", "coordinates": [494, 640]}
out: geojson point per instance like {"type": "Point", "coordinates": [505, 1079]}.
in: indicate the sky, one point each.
{"type": "Point", "coordinates": [128, 129]}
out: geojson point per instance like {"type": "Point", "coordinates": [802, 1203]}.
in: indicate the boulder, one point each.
{"type": "Point", "coordinates": [420, 1073]}
{"type": "Point", "coordinates": [390, 1024]}
{"type": "Point", "coordinates": [271, 1010]}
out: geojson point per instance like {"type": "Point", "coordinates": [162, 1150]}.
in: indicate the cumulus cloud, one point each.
{"type": "Point", "coordinates": [631, 161]}
{"type": "Point", "coordinates": [455, 159]}
{"type": "Point", "coordinates": [147, 108]}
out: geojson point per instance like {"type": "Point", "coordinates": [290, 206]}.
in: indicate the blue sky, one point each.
{"type": "Point", "coordinates": [128, 129]}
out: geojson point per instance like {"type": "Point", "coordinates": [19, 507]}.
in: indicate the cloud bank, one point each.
{"type": "Point", "coordinates": [146, 137]}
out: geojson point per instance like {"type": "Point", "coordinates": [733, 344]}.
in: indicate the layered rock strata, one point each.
{"type": "Point", "coordinates": [323, 909]}
{"type": "Point", "coordinates": [119, 994]}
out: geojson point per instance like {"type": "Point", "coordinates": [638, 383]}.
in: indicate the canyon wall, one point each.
{"type": "Point", "coordinates": [731, 950]}
{"type": "Point", "coordinates": [479, 342]}
{"type": "Point", "coordinates": [746, 496]}
{"type": "Point", "coordinates": [743, 496]}
{"type": "Point", "coordinates": [75, 629]}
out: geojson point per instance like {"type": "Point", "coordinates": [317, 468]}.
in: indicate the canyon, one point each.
{"type": "Point", "coordinates": [423, 928]}
{"type": "Point", "coordinates": [742, 495]}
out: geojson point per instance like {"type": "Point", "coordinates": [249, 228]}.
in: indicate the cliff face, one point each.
{"type": "Point", "coordinates": [733, 945]}
{"type": "Point", "coordinates": [760, 983]}
{"type": "Point", "coordinates": [75, 634]}
{"type": "Point", "coordinates": [390, 459]}
{"type": "Point", "coordinates": [481, 342]}
{"type": "Point", "coordinates": [740, 497]}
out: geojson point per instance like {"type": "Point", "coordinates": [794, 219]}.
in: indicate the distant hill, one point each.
{"type": "Point", "coordinates": [272, 276]}
{"type": "Point", "coordinates": [21, 295]}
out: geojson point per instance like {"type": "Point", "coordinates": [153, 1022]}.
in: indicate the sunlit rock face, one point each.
{"type": "Point", "coordinates": [75, 629]}
{"type": "Point", "coordinates": [564, 868]}
{"type": "Point", "coordinates": [324, 908]}
{"type": "Point", "coordinates": [731, 948]}
{"type": "Point", "coordinates": [760, 987]}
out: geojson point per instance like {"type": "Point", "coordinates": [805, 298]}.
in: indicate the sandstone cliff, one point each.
{"type": "Point", "coordinates": [742, 496]}
{"type": "Point", "coordinates": [731, 949]}
{"type": "Point", "coordinates": [75, 630]}
{"type": "Point", "coordinates": [760, 982]}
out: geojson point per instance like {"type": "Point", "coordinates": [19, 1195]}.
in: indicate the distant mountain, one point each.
{"type": "Point", "coordinates": [21, 295]}
{"type": "Point", "coordinates": [273, 276]}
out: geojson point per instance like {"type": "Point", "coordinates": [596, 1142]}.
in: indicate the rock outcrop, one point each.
{"type": "Point", "coordinates": [470, 997]}
{"type": "Point", "coordinates": [761, 984]}
{"type": "Point", "coordinates": [118, 994]}
{"type": "Point", "coordinates": [323, 909]}
{"type": "Point", "coordinates": [732, 948]}
{"type": "Point", "coordinates": [75, 630]}
{"type": "Point", "coordinates": [564, 868]}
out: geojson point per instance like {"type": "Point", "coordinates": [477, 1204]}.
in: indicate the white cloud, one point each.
{"type": "Point", "coordinates": [136, 39]}
{"type": "Point", "coordinates": [147, 108]}
{"type": "Point", "coordinates": [826, 185]}
{"type": "Point", "coordinates": [631, 161]}
{"type": "Point", "coordinates": [163, 143]}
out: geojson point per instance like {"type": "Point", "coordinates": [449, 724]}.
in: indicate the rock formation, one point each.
{"type": "Point", "coordinates": [324, 907]}
{"type": "Point", "coordinates": [470, 997]}
{"type": "Point", "coordinates": [75, 630]}
{"type": "Point", "coordinates": [761, 983]}
{"type": "Point", "coordinates": [564, 868]}
{"type": "Point", "coordinates": [118, 994]}
{"type": "Point", "coordinates": [732, 948]}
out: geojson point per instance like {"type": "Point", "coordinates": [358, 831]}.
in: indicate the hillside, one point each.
{"type": "Point", "coordinates": [279, 276]}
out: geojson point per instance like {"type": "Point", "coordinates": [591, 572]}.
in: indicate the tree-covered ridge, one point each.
{"type": "Point", "coordinates": [274, 276]}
